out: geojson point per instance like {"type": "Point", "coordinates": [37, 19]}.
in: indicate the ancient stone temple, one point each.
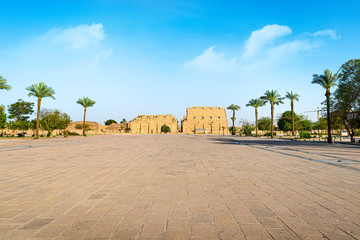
{"type": "Point", "coordinates": [149, 124]}
{"type": "Point", "coordinates": [210, 120]}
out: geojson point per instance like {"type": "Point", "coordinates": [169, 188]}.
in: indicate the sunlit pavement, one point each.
{"type": "Point", "coordinates": [178, 187]}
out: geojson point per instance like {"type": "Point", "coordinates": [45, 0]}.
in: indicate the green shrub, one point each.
{"type": "Point", "coordinates": [268, 134]}
{"type": "Point", "coordinates": [72, 134]}
{"type": "Point", "coordinates": [247, 129]}
{"type": "Point", "coordinates": [231, 128]}
{"type": "Point", "coordinates": [165, 128]}
{"type": "Point", "coordinates": [80, 126]}
{"type": "Point", "coordinates": [304, 134]}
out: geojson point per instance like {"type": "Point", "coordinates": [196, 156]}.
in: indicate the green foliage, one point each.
{"type": "Point", "coordinates": [336, 122]}
{"type": "Point", "coordinates": [247, 129]}
{"type": "Point", "coordinates": [72, 134]}
{"type": "Point", "coordinates": [347, 96]}
{"type": "Point", "coordinates": [18, 125]}
{"type": "Point", "coordinates": [301, 123]}
{"type": "Point", "coordinates": [53, 119]}
{"type": "Point", "coordinates": [264, 123]}
{"type": "Point", "coordinates": [86, 102]}
{"type": "Point", "coordinates": [233, 130]}
{"type": "Point", "coordinates": [284, 123]}
{"type": "Point", "coordinates": [3, 84]}
{"type": "Point", "coordinates": [304, 134]}
{"type": "Point", "coordinates": [304, 124]}
{"type": "Point", "coordinates": [292, 96]}
{"type": "Point", "coordinates": [2, 117]}
{"type": "Point", "coordinates": [268, 134]}
{"type": "Point", "coordinates": [272, 97]}
{"type": "Point", "coordinates": [110, 121]}
{"type": "Point", "coordinates": [20, 110]}
{"type": "Point", "coordinates": [40, 90]}
{"type": "Point", "coordinates": [327, 81]}
{"type": "Point", "coordinates": [127, 129]}
{"type": "Point", "coordinates": [256, 103]}
{"type": "Point", "coordinates": [123, 121]}
{"type": "Point", "coordinates": [165, 128]}
{"type": "Point", "coordinates": [80, 126]}
{"type": "Point", "coordinates": [233, 107]}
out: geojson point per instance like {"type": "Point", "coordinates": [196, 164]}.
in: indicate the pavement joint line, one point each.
{"type": "Point", "coordinates": [309, 159]}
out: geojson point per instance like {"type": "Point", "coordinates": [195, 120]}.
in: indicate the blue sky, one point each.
{"type": "Point", "coordinates": [160, 57]}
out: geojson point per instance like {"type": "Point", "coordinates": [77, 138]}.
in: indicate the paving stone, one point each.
{"type": "Point", "coordinates": [37, 223]}
{"type": "Point", "coordinates": [177, 187]}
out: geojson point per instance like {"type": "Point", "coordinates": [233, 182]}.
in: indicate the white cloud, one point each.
{"type": "Point", "coordinates": [265, 48]}
{"type": "Point", "coordinates": [77, 38]}
{"type": "Point", "coordinates": [260, 38]}
{"type": "Point", "coordinates": [328, 32]}
{"type": "Point", "coordinates": [210, 60]}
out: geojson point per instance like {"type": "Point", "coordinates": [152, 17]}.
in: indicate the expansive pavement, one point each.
{"type": "Point", "coordinates": [178, 187]}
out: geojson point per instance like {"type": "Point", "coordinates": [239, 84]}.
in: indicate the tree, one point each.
{"type": "Point", "coordinates": [53, 119]}
{"type": "Point", "coordinates": [123, 121]}
{"type": "Point", "coordinates": [3, 84]}
{"type": "Point", "coordinates": [300, 122]}
{"type": "Point", "coordinates": [18, 125]}
{"type": "Point", "coordinates": [292, 96]}
{"type": "Point", "coordinates": [86, 103]}
{"type": "Point", "coordinates": [327, 81]}
{"type": "Point", "coordinates": [165, 128]}
{"type": "Point", "coordinates": [347, 96]}
{"type": "Point", "coordinates": [264, 123]}
{"type": "Point", "coordinates": [40, 90]}
{"type": "Point", "coordinates": [274, 98]}
{"type": "Point", "coordinates": [233, 108]}
{"type": "Point", "coordinates": [110, 121]}
{"type": "Point", "coordinates": [304, 124]}
{"type": "Point", "coordinates": [256, 103]}
{"type": "Point", "coordinates": [285, 121]}
{"type": "Point", "coordinates": [20, 110]}
{"type": "Point", "coordinates": [2, 118]}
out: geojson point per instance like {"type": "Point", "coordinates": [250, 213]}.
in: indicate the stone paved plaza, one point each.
{"type": "Point", "coordinates": [178, 187]}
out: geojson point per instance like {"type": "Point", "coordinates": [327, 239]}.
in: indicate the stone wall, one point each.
{"type": "Point", "coordinates": [149, 124]}
{"type": "Point", "coordinates": [212, 119]}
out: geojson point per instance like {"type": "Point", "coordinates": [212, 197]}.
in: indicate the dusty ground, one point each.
{"type": "Point", "coordinates": [178, 187]}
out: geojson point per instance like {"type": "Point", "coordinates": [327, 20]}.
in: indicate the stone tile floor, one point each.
{"type": "Point", "coordinates": [178, 187]}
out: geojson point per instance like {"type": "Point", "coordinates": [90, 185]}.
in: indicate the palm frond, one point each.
{"type": "Point", "coordinates": [86, 102]}
{"type": "Point", "coordinates": [40, 90]}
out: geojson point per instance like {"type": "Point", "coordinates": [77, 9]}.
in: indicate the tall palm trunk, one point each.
{"type": "Point", "coordinates": [292, 118]}
{"type": "Point", "coordinates": [327, 94]}
{"type": "Point", "coordinates": [256, 121]}
{"type": "Point", "coordinates": [38, 119]}
{"type": "Point", "coordinates": [272, 120]}
{"type": "Point", "coordinates": [84, 122]}
{"type": "Point", "coordinates": [233, 121]}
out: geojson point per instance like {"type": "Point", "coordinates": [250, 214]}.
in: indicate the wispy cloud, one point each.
{"type": "Point", "coordinates": [328, 32]}
{"type": "Point", "coordinates": [210, 59]}
{"type": "Point", "coordinates": [77, 38]}
{"type": "Point", "coordinates": [267, 47]}
{"type": "Point", "coordinates": [263, 37]}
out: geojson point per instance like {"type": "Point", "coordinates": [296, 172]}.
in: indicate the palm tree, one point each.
{"type": "Point", "coordinates": [40, 90]}
{"type": "Point", "coordinates": [292, 96]}
{"type": "Point", "coordinates": [274, 98]}
{"type": "Point", "coordinates": [327, 81]}
{"type": "Point", "coordinates": [256, 103]}
{"type": "Point", "coordinates": [233, 108]}
{"type": "Point", "coordinates": [3, 84]}
{"type": "Point", "coordinates": [85, 102]}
